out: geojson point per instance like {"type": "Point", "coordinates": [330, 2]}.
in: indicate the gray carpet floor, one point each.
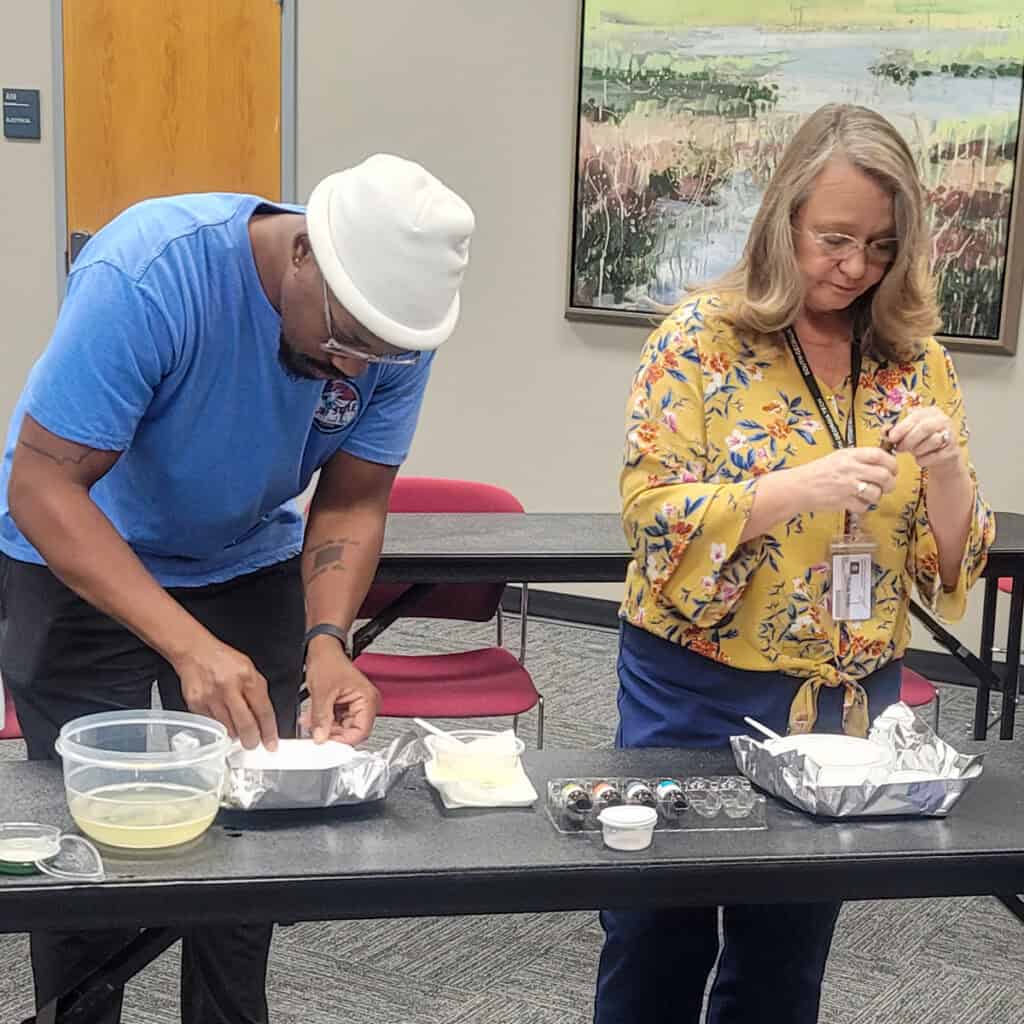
{"type": "Point", "coordinates": [954, 961]}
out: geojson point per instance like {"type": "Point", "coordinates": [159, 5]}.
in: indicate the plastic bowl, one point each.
{"type": "Point", "coordinates": [628, 826]}
{"type": "Point", "coordinates": [842, 760]}
{"type": "Point", "coordinates": [481, 756]}
{"type": "Point", "coordinates": [143, 780]}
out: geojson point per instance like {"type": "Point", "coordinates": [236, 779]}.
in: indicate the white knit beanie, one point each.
{"type": "Point", "coordinates": [393, 244]}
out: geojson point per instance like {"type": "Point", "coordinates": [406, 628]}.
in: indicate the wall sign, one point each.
{"type": "Point", "coordinates": [21, 114]}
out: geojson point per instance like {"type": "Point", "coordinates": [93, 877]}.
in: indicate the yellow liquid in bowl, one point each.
{"type": "Point", "coordinates": [143, 816]}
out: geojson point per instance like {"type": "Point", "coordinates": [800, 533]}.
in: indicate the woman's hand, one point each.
{"type": "Point", "coordinates": [928, 434]}
{"type": "Point", "coordinates": [848, 480]}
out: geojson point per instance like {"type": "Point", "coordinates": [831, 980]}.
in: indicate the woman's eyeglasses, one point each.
{"type": "Point", "coordinates": [341, 348]}
{"type": "Point", "coordinates": [839, 247]}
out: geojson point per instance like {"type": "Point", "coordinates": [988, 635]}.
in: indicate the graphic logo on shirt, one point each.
{"type": "Point", "coordinates": [339, 406]}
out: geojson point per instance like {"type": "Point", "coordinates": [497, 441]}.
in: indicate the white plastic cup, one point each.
{"type": "Point", "coordinates": [628, 826]}
{"type": "Point", "coordinates": [479, 756]}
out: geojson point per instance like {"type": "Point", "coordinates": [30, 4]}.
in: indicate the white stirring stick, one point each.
{"type": "Point", "coordinates": [754, 723]}
{"type": "Point", "coordinates": [437, 732]}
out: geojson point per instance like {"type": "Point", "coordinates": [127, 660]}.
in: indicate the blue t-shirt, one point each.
{"type": "Point", "coordinates": [166, 349]}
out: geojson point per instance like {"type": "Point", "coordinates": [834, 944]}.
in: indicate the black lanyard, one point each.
{"type": "Point", "coordinates": [819, 399]}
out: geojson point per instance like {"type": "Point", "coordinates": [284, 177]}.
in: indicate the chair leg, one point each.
{"type": "Point", "coordinates": [515, 724]}
{"type": "Point", "coordinates": [540, 722]}
{"type": "Point", "coordinates": [937, 701]}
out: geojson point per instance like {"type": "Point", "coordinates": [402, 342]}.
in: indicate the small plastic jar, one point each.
{"type": "Point", "coordinates": [628, 826]}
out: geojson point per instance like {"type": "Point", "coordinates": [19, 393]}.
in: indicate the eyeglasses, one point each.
{"type": "Point", "coordinates": [341, 348]}
{"type": "Point", "coordinates": [839, 247]}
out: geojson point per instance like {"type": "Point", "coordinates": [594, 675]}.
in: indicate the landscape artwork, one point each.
{"type": "Point", "coordinates": [685, 105]}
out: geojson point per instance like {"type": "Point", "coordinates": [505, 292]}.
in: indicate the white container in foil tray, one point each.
{"type": "Point", "coordinates": [902, 769]}
{"type": "Point", "coordinates": [304, 774]}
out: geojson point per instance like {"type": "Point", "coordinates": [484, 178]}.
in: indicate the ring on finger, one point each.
{"type": "Point", "coordinates": [861, 488]}
{"type": "Point", "coordinates": [944, 438]}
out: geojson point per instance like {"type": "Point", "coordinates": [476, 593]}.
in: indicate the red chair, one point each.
{"type": "Point", "coordinates": [918, 692]}
{"type": "Point", "coordinates": [11, 730]}
{"type": "Point", "coordinates": [482, 683]}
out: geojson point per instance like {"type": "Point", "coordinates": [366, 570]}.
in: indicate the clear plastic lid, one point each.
{"type": "Point", "coordinates": [77, 860]}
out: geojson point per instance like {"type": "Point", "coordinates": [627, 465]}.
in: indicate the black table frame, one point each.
{"type": "Point", "coordinates": [1009, 683]}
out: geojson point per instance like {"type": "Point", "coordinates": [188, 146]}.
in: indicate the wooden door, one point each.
{"type": "Point", "coordinates": [169, 96]}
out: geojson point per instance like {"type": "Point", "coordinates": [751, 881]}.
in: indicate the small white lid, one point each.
{"type": "Point", "coordinates": [629, 816]}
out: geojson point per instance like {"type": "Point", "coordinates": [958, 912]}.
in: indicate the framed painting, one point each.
{"type": "Point", "coordinates": [683, 107]}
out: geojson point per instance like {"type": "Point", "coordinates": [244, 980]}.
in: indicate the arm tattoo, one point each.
{"type": "Point", "coordinates": [327, 556]}
{"type": "Point", "coordinates": [61, 460]}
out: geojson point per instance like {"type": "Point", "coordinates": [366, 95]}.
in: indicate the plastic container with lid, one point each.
{"type": "Point", "coordinates": [477, 756]}
{"type": "Point", "coordinates": [23, 843]}
{"type": "Point", "coordinates": [143, 780]}
{"type": "Point", "coordinates": [628, 826]}
{"type": "Point", "coordinates": [28, 847]}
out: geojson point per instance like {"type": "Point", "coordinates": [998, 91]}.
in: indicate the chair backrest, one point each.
{"type": "Point", "coordinates": [10, 730]}
{"type": "Point", "coordinates": [470, 602]}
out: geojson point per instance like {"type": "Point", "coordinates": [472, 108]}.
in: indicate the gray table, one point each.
{"type": "Point", "coordinates": [533, 547]}
{"type": "Point", "coordinates": [408, 856]}
{"type": "Point", "coordinates": [590, 547]}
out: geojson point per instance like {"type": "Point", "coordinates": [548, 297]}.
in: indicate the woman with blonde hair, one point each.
{"type": "Point", "coordinates": [796, 462]}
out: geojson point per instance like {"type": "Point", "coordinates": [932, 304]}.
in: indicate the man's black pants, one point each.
{"type": "Point", "coordinates": [61, 658]}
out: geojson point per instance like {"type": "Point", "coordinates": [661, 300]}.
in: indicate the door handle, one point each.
{"type": "Point", "coordinates": [77, 244]}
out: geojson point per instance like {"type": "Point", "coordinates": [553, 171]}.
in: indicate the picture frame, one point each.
{"type": "Point", "coordinates": [662, 107]}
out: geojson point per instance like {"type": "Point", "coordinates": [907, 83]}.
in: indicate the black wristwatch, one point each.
{"type": "Point", "coordinates": [326, 629]}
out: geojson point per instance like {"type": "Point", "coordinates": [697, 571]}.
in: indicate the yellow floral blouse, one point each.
{"type": "Point", "coordinates": [708, 414]}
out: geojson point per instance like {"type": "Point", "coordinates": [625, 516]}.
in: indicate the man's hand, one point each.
{"type": "Point", "coordinates": [218, 681]}
{"type": "Point", "coordinates": [343, 702]}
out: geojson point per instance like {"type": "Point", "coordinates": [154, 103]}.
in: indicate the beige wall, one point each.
{"type": "Point", "coordinates": [28, 277]}
{"type": "Point", "coordinates": [483, 95]}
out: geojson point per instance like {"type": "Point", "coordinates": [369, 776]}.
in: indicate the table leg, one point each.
{"type": "Point", "coordinates": [366, 634]}
{"type": "Point", "coordinates": [82, 1004]}
{"type": "Point", "coordinates": [1013, 903]}
{"type": "Point", "coordinates": [988, 633]}
{"type": "Point", "coordinates": [984, 674]}
{"type": "Point", "coordinates": [1012, 673]}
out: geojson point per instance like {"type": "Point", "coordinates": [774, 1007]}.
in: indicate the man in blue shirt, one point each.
{"type": "Point", "coordinates": [213, 352]}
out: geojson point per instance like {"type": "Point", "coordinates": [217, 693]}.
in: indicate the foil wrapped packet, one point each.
{"type": "Point", "coordinates": [303, 774]}
{"type": "Point", "coordinates": [924, 776]}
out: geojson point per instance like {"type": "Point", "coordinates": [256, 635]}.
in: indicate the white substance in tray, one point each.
{"type": "Point", "coordinates": [294, 755]}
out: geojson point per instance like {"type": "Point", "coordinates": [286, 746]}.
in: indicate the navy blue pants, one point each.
{"type": "Point", "coordinates": [758, 964]}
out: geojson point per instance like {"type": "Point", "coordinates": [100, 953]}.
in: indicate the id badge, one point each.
{"type": "Point", "coordinates": [852, 562]}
